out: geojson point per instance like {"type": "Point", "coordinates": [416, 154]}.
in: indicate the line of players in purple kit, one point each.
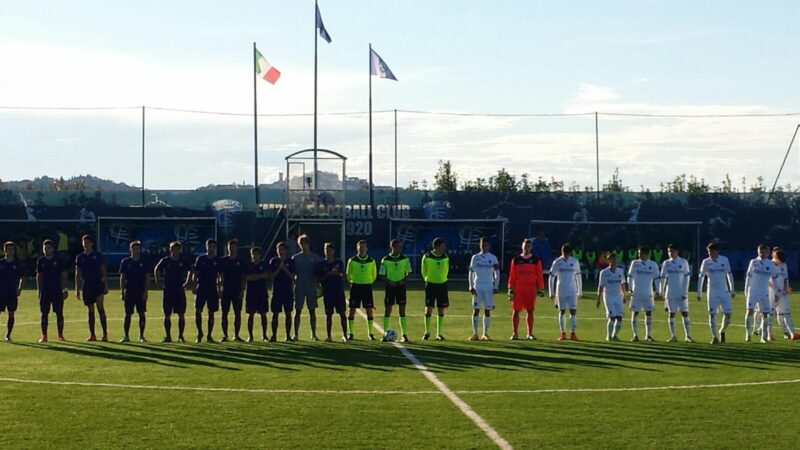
{"type": "Point", "coordinates": [227, 282]}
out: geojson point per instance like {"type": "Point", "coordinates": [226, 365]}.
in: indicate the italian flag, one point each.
{"type": "Point", "coordinates": [265, 70]}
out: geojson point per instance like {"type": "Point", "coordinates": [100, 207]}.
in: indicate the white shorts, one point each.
{"type": "Point", "coordinates": [780, 303]}
{"type": "Point", "coordinates": [567, 302]}
{"type": "Point", "coordinates": [614, 307]}
{"type": "Point", "coordinates": [760, 302]}
{"type": "Point", "coordinates": [642, 303]}
{"type": "Point", "coordinates": [719, 301]}
{"type": "Point", "coordinates": [483, 298]}
{"type": "Point", "coordinates": [677, 305]}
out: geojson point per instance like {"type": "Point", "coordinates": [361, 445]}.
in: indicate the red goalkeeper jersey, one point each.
{"type": "Point", "coordinates": [526, 272]}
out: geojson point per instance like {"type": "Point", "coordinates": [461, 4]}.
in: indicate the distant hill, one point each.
{"type": "Point", "coordinates": [78, 183]}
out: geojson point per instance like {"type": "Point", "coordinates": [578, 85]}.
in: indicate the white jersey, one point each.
{"type": "Point", "coordinates": [611, 282]}
{"type": "Point", "coordinates": [565, 278]}
{"type": "Point", "coordinates": [675, 275]}
{"type": "Point", "coordinates": [759, 274]}
{"type": "Point", "coordinates": [778, 285]}
{"type": "Point", "coordinates": [720, 280]}
{"type": "Point", "coordinates": [641, 276]}
{"type": "Point", "coordinates": [484, 271]}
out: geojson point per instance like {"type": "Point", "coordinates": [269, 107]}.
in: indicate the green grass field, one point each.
{"type": "Point", "coordinates": [368, 395]}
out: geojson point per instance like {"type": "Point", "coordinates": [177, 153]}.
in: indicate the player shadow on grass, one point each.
{"type": "Point", "coordinates": [686, 355]}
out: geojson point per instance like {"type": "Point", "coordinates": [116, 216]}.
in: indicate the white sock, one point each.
{"type": "Point", "coordinates": [787, 319]}
{"type": "Point", "coordinates": [686, 326]}
{"type": "Point", "coordinates": [617, 326]}
{"type": "Point", "coordinates": [712, 322]}
{"type": "Point", "coordinates": [635, 325]}
{"type": "Point", "coordinates": [748, 323]}
{"type": "Point", "coordinates": [726, 321]}
{"type": "Point", "coordinates": [766, 324]}
{"type": "Point", "coordinates": [486, 322]}
{"type": "Point", "coordinates": [573, 322]}
{"type": "Point", "coordinates": [610, 328]}
{"type": "Point", "coordinates": [648, 325]}
{"type": "Point", "coordinates": [561, 322]}
{"type": "Point", "coordinates": [672, 327]}
{"type": "Point", "coordinates": [475, 320]}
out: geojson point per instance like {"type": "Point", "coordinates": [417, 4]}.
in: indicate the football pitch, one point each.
{"type": "Point", "coordinates": [362, 394]}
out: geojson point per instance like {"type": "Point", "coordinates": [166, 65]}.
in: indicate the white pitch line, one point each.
{"type": "Point", "coordinates": [215, 389]}
{"type": "Point", "coordinates": [366, 392]}
{"type": "Point", "coordinates": [460, 404]}
{"type": "Point", "coordinates": [630, 389]}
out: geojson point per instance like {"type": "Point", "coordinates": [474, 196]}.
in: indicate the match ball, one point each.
{"type": "Point", "coordinates": [391, 336]}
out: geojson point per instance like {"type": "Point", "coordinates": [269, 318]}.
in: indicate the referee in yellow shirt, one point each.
{"type": "Point", "coordinates": [395, 268]}
{"type": "Point", "coordinates": [361, 272]}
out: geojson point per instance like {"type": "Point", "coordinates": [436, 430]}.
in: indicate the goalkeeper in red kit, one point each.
{"type": "Point", "coordinates": [525, 282]}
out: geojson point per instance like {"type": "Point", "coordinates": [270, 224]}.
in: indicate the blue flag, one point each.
{"type": "Point", "coordinates": [379, 68]}
{"type": "Point", "coordinates": [323, 33]}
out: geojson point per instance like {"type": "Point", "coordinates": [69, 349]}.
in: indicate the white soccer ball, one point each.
{"type": "Point", "coordinates": [391, 335]}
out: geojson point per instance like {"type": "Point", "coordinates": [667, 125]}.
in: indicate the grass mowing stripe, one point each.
{"type": "Point", "coordinates": [460, 404]}
{"type": "Point", "coordinates": [214, 389]}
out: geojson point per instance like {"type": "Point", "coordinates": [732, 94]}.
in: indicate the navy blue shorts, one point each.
{"type": "Point", "coordinates": [135, 302]}
{"type": "Point", "coordinates": [174, 303]}
{"type": "Point", "coordinates": [9, 302]}
{"type": "Point", "coordinates": [54, 301]}
{"type": "Point", "coordinates": [282, 303]}
{"type": "Point", "coordinates": [203, 300]}
{"type": "Point", "coordinates": [90, 294]}
{"type": "Point", "coordinates": [334, 303]}
{"type": "Point", "coordinates": [255, 305]}
{"type": "Point", "coordinates": [234, 299]}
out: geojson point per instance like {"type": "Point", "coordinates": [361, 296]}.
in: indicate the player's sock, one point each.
{"type": "Point", "coordinates": [610, 328]}
{"type": "Point", "coordinates": [712, 322]}
{"type": "Point", "coordinates": [787, 319]}
{"type": "Point", "coordinates": [10, 325]}
{"type": "Point", "coordinates": [427, 323]}
{"type": "Point", "coordinates": [635, 325]}
{"type": "Point", "coordinates": [103, 322]}
{"type": "Point", "coordinates": [91, 322]}
{"type": "Point", "coordinates": [385, 324]}
{"type": "Point", "coordinates": [515, 322]}
{"type": "Point", "coordinates": [402, 325]}
{"type": "Point", "coordinates": [672, 327]}
{"type": "Point", "coordinates": [529, 323]}
{"type": "Point", "coordinates": [475, 320]}
{"type": "Point", "coordinates": [648, 325]}
{"type": "Point", "coordinates": [748, 324]}
{"type": "Point", "coordinates": [766, 325]}
{"type": "Point", "coordinates": [686, 324]}
{"type": "Point", "coordinates": [726, 321]}
{"type": "Point", "coordinates": [370, 324]}
{"type": "Point", "coordinates": [439, 324]}
{"type": "Point", "coordinates": [562, 323]}
{"type": "Point", "coordinates": [573, 322]}
{"type": "Point", "coordinates": [617, 327]}
{"type": "Point", "coordinates": [487, 321]}
{"type": "Point", "coordinates": [350, 323]}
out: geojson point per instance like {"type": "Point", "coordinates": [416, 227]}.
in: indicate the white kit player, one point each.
{"type": "Point", "coordinates": [484, 280]}
{"type": "Point", "coordinates": [565, 287]}
{"type": "Point", "coordinates": [779, 291]}
{"type": "Point", "coordinates": [675, 276]}
{"type": "Point", "coordinates": [760, 273]}
{"type": "Point", "coordinates": [643, 276]}
{"type": "Point", "coordinates": [611, 285]}
{"type": "Point", "coordinates": [717, 269]}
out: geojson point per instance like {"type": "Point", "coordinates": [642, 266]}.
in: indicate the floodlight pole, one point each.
{"type": "Point", "coordinates": [775, 184]}
{"type": "Point", "coordinates": [597, 151]}
{"type": "Point", "coordinates": [143, 123]}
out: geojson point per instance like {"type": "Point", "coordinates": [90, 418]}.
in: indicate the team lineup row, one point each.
{"type": "Point", "coordinates": [231, 283]}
